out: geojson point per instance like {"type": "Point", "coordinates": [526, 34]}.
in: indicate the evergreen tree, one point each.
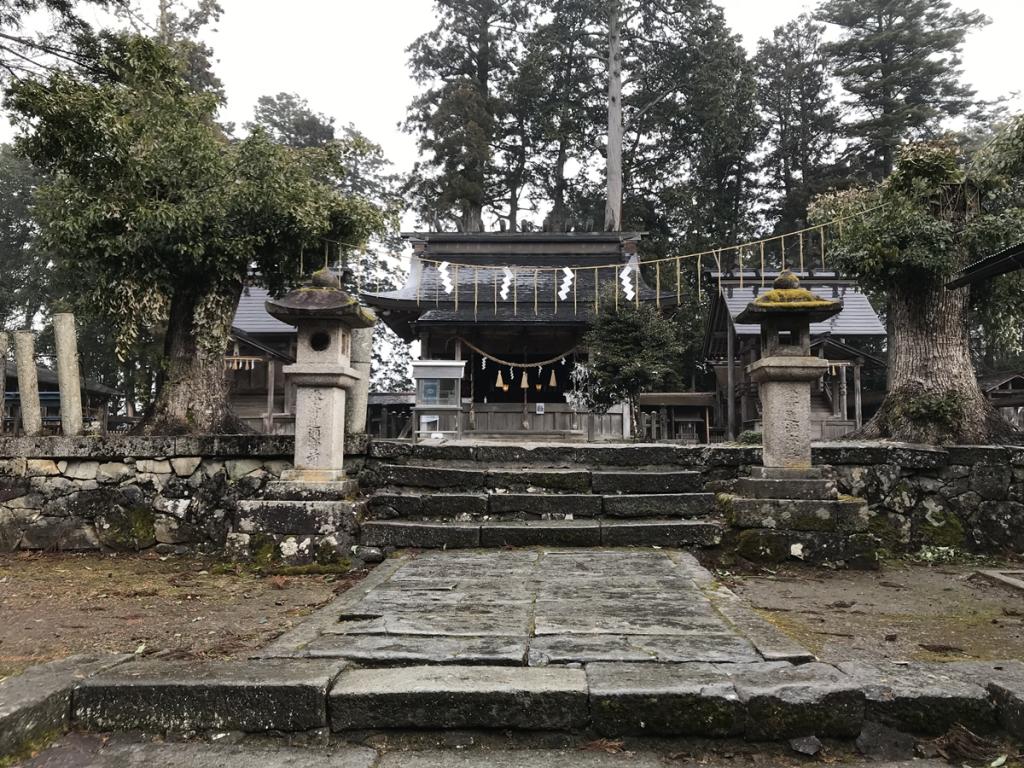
{"type": "Point", "coordinates": [899, 61]}
{"type": "Point", "coordinates": [454, 119]}
{"type": "Point", "coordinates": [801, 121]}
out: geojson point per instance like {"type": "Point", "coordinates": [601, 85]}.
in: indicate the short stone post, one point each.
{"type": "Point", "coordinates": [325, 316]}
{"type": "Point", "coordinates": [68, 375]}
{"type": "Point", "coordinates": [28, 383]}
{"type": "Point", "coordinates": [358, 401]}
{"type": "Point", "coordinates": [4, 347]}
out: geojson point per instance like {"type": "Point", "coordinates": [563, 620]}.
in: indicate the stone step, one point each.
{"type": "Point", "coordinates": [770, 488]}
{"type": "Point", "coordinates": [518, 506]}
{"type": "Point", "coordinates": [593, 532]}
{"type": "Point", "coordinates": [298, 517]}
{"type": "Point", "coordinates": [754, 700]}
{"type": "Point", "coordinates": [282, 490]}
{"type": "Point", "coordinates": [839, 515]}
{"type": "Point", "coordinates": [855, 550]}
{"type": "Point", "coordinates": [439, 697]}
{"type": "Point", "coordinates": [682, 481]}
{"type": "Point", "coordinates": [529, 478]}
{"type": "Point", "coordinates": [659, 505]}
{"type": "Point", "coordinates": [252, 696]}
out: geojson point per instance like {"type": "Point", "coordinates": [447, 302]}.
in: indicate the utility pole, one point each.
{"type": "Point", "coordinates": [613, 208]}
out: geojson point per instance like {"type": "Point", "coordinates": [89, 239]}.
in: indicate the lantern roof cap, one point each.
{"type": "Point", "coordinates": [788, 299]}
{"type": "Point", "coordinates": [322, 297]}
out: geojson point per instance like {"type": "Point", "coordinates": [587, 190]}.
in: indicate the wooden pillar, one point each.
{"type": "Point", "coordinates": [843, 404]}
{"type": "Point", "coordinates": [730, 379]}
{"type": "Point", "coordinates": [835, 395]}
{"type": "Point", "coordinates": [858, 410]}
{"type": "Point", "coordinates": [271, 393]}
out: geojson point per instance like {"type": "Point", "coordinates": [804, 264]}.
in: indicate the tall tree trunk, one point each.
{"type": "Point", "coordinates": [613, 207]}
{"type": "Point", "coordinates": [192, 394]}
{"type": "Point", "coordinates": [933, 395]}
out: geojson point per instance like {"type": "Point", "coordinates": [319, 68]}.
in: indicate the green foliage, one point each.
{"type": "Point", "coordinates": [23, 263]}
{"type": "Point", "coordinates": [943, 410]}
{"type": "Point", "coordinates": [899, 61]}
{"type": "Point", "coordinates": [157, 215]}
{"type": "Point", "coordinates": [631, 351]}
{"type": "Point", "coordinates": [149, 198]}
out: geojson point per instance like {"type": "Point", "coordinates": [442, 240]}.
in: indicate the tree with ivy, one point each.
{"type": "Point", "coordinates": [631, 350]}
{"type": "Point", "coordinates": [940, 210]}
{"type": "Point", "coordinates": [161, 218]}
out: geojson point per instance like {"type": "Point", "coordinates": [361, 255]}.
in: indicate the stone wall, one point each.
{"type": "Point", "coordinates": [130, 493]}
{"type": "Point", "coordinates": [135, 493]}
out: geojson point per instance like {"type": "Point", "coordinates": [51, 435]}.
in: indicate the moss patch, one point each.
{"type": "Point", "coordinates": [127, 529]}
{"type": "Point", "coordinates": [29, 748]}
{"type": "Point", "coordinates": [311, 569]}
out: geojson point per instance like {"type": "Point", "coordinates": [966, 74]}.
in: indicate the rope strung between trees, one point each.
{"type": "Point", "coordinates": [510, 364]}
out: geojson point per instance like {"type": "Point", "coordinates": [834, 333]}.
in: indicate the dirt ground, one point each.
{"type": "Point", "coordinates": [906, 611]}
{"type": "Point", "coordinates": [54, 605]}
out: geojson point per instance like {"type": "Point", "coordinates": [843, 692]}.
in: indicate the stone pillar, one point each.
{"type": "Point", "coordinates": [28, 383]}
{"type": "Point", "coordinates": [359, 397]}
{"type": "Point", "coordinates": [319, 433]}
{"type": "Point", "coordinates": [4, 347]}
{"type": "Point", "coordinates": [68, 376]}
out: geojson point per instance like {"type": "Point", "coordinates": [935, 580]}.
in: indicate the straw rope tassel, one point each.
{"type": "Point", "coordinates": [437, 286]}
{"type": "Point", "coordinates": [615, 279]}
{"type": "Point", "coordinates": [739, 259]}
{"type": "Point", "coordinates": [718, 263]}
{"type": "Point", "coordinates": [456, 287]}
{"type": "Point", "coordinates": [657, 284]}
{"type": "Point", "coordinates": [801, 251]}
{"type": "Point", "coordinates": [476, 291]}
{"type": "Point", "coordinates": [762, 263]}
{"type": "Point", "coordinates": [597, 298]}
{"type": "Point", "coordinates": [575, 282]}
{"type": "Point", "coordinates": [496, 273]}
{"type": "Point", "coordinates": [515, 293]}
{"type": "Point", "coordinates": [554, 288]}
{"type": "Point", "coordinates": [636, 293]}
{"type": "Point", "coordinates": [782, 247]}
{"type": "Point", "coordinates": [822, 235]}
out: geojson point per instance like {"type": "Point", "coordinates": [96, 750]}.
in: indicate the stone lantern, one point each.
{"type": "Point", "coordinates": [789, 509]}
{"type": "Point", "coordinates": [787, 368]}
{"type": "Point", "coordinates": [324, 314]}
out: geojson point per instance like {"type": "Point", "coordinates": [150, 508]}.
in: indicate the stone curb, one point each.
{"type": "Point", "coordinates": [37, 702]}
{"type": "Point", "coordinates": [758, 701]}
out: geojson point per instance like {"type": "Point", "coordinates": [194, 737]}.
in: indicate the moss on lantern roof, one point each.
{"type": "Point", "coordinates": [785, 297]}
{"type": "Point", "coordinates": [786, 293]}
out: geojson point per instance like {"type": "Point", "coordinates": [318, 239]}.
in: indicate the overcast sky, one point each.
{"type": "Point", "coordinates": [347, 57]}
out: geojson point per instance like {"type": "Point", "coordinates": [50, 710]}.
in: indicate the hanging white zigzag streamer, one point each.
{"type": "Point", "coordinates": [446, 278]}
{"type": "Point", "coordinates": [563, 292]}
{"type": "Point", "coordinates": [506, 283]}
{"type": "Point", "coordinates": [627, 282]}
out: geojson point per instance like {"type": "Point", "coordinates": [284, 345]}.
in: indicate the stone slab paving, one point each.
{"type": "Point", "coordinates": [530, 608]}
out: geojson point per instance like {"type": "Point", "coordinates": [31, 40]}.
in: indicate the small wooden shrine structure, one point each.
{"type": "Point", "coordinates": [515, 307]}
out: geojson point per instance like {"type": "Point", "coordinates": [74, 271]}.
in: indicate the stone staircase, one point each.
{"type": "Point", "coordinates": [441, 505]}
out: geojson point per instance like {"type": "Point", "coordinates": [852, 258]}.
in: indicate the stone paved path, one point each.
{"type": "Point", "coordinates": [536, 607]}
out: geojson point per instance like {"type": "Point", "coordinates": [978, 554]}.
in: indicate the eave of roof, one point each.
{"type": "Point", "coordinates": [1007, 260]}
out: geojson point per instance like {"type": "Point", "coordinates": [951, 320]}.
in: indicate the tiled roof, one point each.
{"type": "Point", "coordinates": [252, 317]}
{"type": "Point", "coordinates": [858, 317]}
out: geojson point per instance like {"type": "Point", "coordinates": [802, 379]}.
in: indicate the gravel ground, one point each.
{"type": "Point", "coordinates": [905, 611]}
{"type": "Point", "coordinates": [54, 605]}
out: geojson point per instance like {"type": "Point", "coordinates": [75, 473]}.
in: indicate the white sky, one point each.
{"type": "Point", "coordinates": [347, 57]}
